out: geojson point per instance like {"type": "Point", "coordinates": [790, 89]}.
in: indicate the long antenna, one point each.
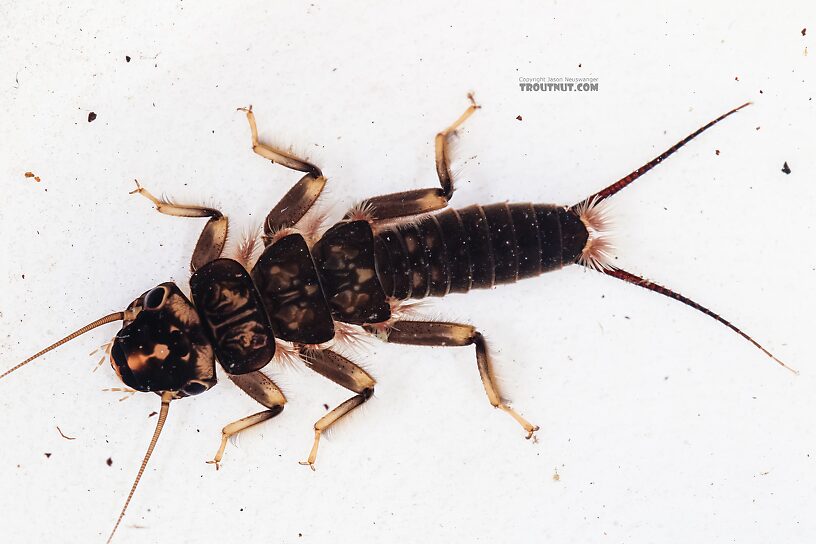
{"type": "Point", "coordinates": [651, 286]}
{"type": "Point", "coordinates": [624, 181]}
{"type": "Point", "coordinates": [166, 397]}
{"type": "Point", "coordinates": [117, 316]}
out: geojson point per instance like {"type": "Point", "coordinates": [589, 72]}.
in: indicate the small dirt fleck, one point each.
{"type": "Point", "coordinates": [33, 175]}
{"type": "Point", "coordinates": [325, 406]}
{"type": "Point", "coordinates": [804, 31]}
{"type": "Point", "coordinates": [785, 168]}
{"type": "Point", "coordinates": [717, 152]}
{"type": "Point", "coordinates": [62, 434]}
{"type": "Point", "coordinates": [109, 462]}
{"type": "Point", "coordinates": [736, 78]}
{"type": "Point", "coordinates": [48, 456]}
{"type": "Point", "coordinates": [127, 58]}
{"type": "Point", "coordinates": [518, 117]}
{"type": "Point", "coordinates": [151, 414]}
{"type": "Point", "coordinates": [579, 65]}
{"type": "Point", "coordinates": [91, 117]}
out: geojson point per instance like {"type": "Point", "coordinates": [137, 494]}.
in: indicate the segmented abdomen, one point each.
{"type": "Point", "coordinates": [476, 247]}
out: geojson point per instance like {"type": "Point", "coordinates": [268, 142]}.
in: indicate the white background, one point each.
{"type": "Point", "coordinates": [662, 425]}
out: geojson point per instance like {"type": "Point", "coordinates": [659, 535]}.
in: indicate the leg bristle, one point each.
{"type": "Point", "coordinates": [277, 235]}
{"type": "Point", "coordinates": [245, 251]}
{"type": "Point", "coordinates": [361, 211]}
{"type": "Point", "coordinates": [286, 354]}
{"type": "Point", "coordinates": [350, 336]}
{"type": "Point", "coordinates": [313, 224]}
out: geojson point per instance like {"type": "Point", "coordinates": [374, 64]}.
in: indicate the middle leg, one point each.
{"type": "Point", "coordinates": [258, 386]}
{"type": "Point", "coordinates": [342, 372]}
{"type": "Point", "coordinates": [301, 197]}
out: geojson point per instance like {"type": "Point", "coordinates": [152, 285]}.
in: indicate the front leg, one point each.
{"type": "Point", "coordinates": [212, 239]}
{"type": "Point", "coordinates": [434, 333]}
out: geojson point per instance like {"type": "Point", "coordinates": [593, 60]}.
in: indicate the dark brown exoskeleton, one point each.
{"type": "Point", "coordinates": [305, 292]}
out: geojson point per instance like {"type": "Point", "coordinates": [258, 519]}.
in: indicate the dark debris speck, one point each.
{"type": "Point", "coordinates": [785, 168]}
{"type": "Point", "coordinates": [518, 117]}
{"type": "Point", "coordinates": [91, 117]}
{"type": "Point", "coordinates": [48, 456]}
{"type": "Point", "coordinates": [127, 58]}
{"type": "Point", "coordinates": [804, 31]}
{"type": "Point", "coordinates": [109, 462]}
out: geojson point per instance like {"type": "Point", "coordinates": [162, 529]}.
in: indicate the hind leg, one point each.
{"type": "Point", "coordinates": [434, 333]}
{"type": "Point", "coordinates": [419, 201]}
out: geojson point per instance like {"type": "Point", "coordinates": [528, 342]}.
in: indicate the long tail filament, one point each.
{"type": "Point", "coordinates": [624, 181]}
{"type": "Point", "coordinates": [651, 286]}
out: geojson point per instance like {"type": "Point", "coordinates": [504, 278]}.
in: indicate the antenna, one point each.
{"type": "Point", "coordinates": [117, 316]}
{"type": "Point", "coordinates": [166, 397]}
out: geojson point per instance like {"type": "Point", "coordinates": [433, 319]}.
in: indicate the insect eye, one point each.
{"type": "Point", "coordinates": [194, 388]}
{"type": "Point", "coordinates": [154, 299]}
{"type": "Point", "coordinates": [118, 355]}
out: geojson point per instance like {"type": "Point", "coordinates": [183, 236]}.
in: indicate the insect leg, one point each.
{"type": "Point", "coordinates": [342, 372]}
{"type": "Point", "coordinates": [276, 155]}
{"type": "Point", "coordinates": [258, 386]}
{"type": "Point", "coordinates": [443, 149]}
{"type": "Point", "coordinates": [211, 242]}
{"type": "Point", "coordinates": [433, 333]}
{"type": "Point", "coordinates": [420, 201]}
{"type": "Point", "coordinates": [300, 198]}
